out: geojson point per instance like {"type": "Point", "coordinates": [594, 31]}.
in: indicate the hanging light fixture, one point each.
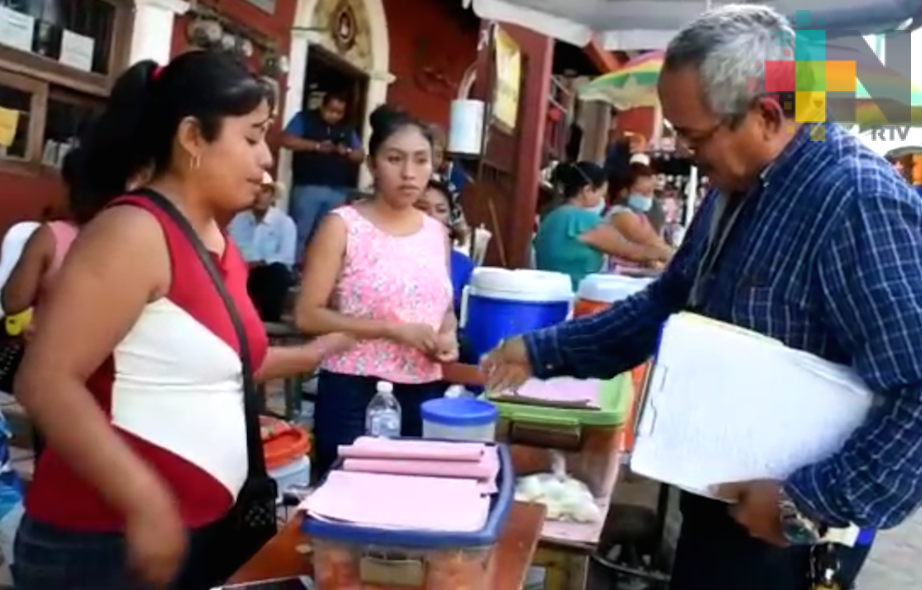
{"type": "Point", "coordinates": [228, 42]}
{"type": "Point", "coordinates": [204, 32]}
{"type": "Point", "coordinates": [283, 64]}
{"type": "Point", "coordinates": [245, 47]}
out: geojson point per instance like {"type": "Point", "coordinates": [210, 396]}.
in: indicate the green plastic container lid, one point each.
{"type": "Point", "coordinates": [615, 398]}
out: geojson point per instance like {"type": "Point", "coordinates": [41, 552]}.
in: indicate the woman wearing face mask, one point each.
{"type": "Point", "coordinates": [628, 216]}
{"type": "Point", "coordinates": [573, 238]}
{"type": "Point", "coordinates": [379, 271]}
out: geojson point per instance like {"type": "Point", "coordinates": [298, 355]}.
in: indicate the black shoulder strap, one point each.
{"type": "Point", "coordinates": [256, 460]}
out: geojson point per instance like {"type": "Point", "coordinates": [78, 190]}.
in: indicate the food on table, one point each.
{"type": "Point", "coordinates": [565, 497]}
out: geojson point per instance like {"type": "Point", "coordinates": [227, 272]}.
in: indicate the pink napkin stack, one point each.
{"type": "Point", "coordinates": [424, 458]}
{"type": "Point", "coordinates": [415, 484]}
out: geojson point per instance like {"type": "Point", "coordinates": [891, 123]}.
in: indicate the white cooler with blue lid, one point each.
{"type": "Point", "coordinates": [500, 303]}
{"type": "Point", "coordinates": [610, 288]}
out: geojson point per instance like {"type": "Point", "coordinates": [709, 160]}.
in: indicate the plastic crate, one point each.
{"type": "Point", "coordinates": [591, 440]}
{"type": "Point", "coordinates": [353, 557]}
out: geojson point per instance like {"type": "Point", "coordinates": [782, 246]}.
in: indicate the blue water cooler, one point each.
{"type": "Point", "coordinates": [500, 303]}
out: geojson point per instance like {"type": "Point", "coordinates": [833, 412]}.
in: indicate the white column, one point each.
{"type": "Point", "coordinates": [378, 81]}
{"type": "Point", "coordinates": [152, 35]}
{"type": "Point", "coordinates": [657, 124]}
{"type": "Point", "coordinates": [294, 98]}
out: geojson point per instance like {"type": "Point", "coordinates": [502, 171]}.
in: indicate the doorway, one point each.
{"type": "Point", "coordinates": [327, 72]}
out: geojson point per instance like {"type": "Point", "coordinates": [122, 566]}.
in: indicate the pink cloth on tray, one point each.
{"type": "Point", "coordinates": [453, 469]}
{"type": "Point", "coordinates": [485, 470]}
{"type": "Point", "coordinates": [399, 501]}
{"type": "Point", "coordinates": [562, 389]}
{"type": "Point", "coordinates": [367, 447]}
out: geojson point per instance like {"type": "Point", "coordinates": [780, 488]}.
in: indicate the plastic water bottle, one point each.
{"type": "Point", "coordinates": [382, 418]}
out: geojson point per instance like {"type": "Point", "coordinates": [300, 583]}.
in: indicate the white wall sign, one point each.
{"type": "Point", "coordinates": [465, 131]}
{"type": "Point", "coordinates": [16, 29]}
{"type": "Point", "coordinates": [77, 51]}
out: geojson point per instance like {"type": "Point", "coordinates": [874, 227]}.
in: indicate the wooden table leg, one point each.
{"type": "Point", "coordinates": [261, 392]}
{"type": "Point", "coordinates": [293, 388]}
{"type": "Point", "coordinates": [577, 571]}
{"type": "Point", "coordinates": [564, 569]}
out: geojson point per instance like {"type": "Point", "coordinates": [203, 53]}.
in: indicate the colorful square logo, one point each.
{"type": "Point", "coordinates": [808, 84]}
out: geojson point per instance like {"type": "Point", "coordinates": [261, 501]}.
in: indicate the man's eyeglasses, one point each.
{"type": "Point", "coordinates": [695, 141]}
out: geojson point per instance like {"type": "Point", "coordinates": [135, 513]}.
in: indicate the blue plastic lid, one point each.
{"type": "Point", "coordinates": [459, 411]}
{"type": "Point", "coordinates": [402, 539]}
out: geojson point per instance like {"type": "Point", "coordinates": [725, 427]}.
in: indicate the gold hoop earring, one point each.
{"type": "Point", "coordinates": [195, 162]}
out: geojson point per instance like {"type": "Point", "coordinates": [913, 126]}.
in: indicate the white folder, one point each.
{"type": "Point", "coordinates": [722, 404]}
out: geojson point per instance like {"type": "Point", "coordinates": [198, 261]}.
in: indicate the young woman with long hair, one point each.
{"type": "Point", "coordinates": [378, 270]}
{"type": "Point", "coordinates": [135, 372]}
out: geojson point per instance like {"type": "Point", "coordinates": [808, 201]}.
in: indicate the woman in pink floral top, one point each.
{"type": "Point", "coordinates": [378, 270]}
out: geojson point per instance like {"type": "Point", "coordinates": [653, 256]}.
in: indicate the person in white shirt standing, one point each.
{"type": "Point", "coordinates": [266, 237]}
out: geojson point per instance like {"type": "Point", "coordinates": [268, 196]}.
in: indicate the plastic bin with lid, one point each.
{"type": "Point", "coordinates": [599, 291]}
{"type": "Point", "coordinates": [459, 418]}
{"type": "Point", "coordinates": [367, 558]}
{"type": "Point", "coordinates": [591, 439]}
{"type": "Point", "coordinates": [500, 303]}
{"type": "Point", "coordinates": [285, 447]}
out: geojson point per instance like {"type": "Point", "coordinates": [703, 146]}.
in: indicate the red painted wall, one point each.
{"type": "Point", "coordinates": [25, 196]}
{"type": "Point", "coordinates": [639, 120]}
{"type": "Point", "coordinates": [429, 54]}
{"type": "Point", "coordinates": [506, 200]}
{"type": "Point", "coordinates": [538, 56]}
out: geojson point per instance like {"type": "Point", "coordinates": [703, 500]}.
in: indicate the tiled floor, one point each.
{"type": "Point", "coordinates": [895, 562]}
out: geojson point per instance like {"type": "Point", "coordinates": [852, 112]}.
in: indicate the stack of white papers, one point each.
{"type": "Point", "coordinates": [724, 404]}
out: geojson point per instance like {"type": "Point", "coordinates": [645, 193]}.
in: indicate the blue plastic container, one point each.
{"type": "Point", "coordinates": [352, 534]}
{"type": "Point", "coordinates": [500, 303]}
{"type": "Point", "coordinates": [459, 418]}
{"type": "Point", "coordinates": [406, 558]}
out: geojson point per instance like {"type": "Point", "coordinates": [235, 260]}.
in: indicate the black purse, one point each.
{"type": "Point", "coordinates": [253, 517]}
{"type": "Point", "coordinates": [12, 349]}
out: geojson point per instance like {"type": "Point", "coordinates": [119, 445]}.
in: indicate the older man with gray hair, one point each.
{"type": "Point", "coordinates": [808, 237]}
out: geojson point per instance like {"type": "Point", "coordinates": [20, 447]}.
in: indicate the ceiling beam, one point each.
{"type": "Point", "coordinates": [600, 57]}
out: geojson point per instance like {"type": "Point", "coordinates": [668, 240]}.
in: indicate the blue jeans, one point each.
{"type": "Point", "coordinates": [49, 557]}
{"type": "Point", "coordinates": [309, 205]}
{"type": "Point", "coordinates": [339, 412]}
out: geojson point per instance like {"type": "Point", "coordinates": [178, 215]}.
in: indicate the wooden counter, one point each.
{"type": "Point", "coordinates": [288, 554]}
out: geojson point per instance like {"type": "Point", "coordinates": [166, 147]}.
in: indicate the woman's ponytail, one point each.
{"type": "Point", "coordinates": [117, 146]}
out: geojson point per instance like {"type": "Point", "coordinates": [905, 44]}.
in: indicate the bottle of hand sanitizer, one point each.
{"type": "Point", "coordinates": [382, 418]}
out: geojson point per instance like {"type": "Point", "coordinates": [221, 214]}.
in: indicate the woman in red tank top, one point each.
{"type": "Point", "coordinates": [134, 372]}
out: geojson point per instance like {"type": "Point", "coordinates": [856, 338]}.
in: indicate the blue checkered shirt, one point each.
{"type": "Point", "coordinates": [825, 255]}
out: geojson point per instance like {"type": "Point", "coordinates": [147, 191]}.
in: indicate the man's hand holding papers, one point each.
{"type": "Point", "coordinates": [756, 507]}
